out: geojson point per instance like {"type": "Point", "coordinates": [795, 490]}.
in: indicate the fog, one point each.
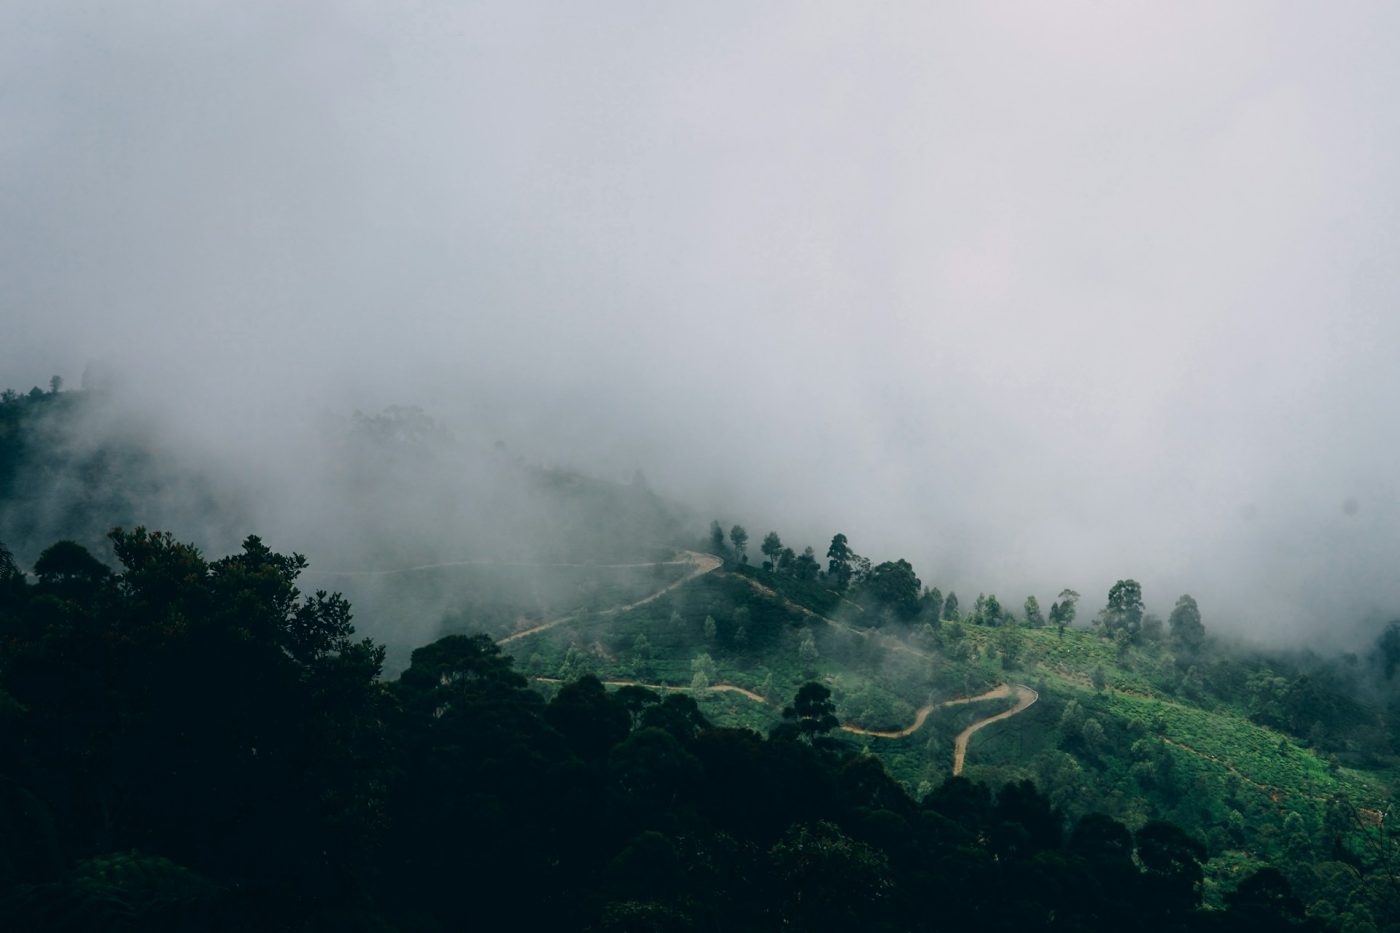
{"type": "Point", "coordinates": [1033, 295]}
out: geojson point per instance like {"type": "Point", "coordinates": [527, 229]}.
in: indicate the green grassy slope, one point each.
{"type": "Point", "coordinates": [1135, 749]}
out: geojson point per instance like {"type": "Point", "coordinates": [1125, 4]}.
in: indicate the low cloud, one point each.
{"type": "Point", "coordinates": [1034, 298]}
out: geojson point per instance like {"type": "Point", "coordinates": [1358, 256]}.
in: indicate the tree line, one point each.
{"type": "Point", "coordinates": [894, 587]}
{"type": "Point", "coordinates": [196, 744]}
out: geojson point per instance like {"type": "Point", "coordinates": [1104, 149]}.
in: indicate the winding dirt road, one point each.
{"type": "Point", "coordinates": [494, 563]}
{"type": "Point", "coordinates": [700, 564]}
{"type": "Point", "coordinates": [1025, 696]}
{"type": "Point", "coordinates": [996, 692]}
{"type": "Point", "coordinates": [919, 718]}
{"type": "Point", "coordinates": [663, 688]}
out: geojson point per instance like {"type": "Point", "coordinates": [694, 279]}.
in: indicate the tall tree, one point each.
{"type": "Point", "coordinates": [210, 707]}
{"type": "Point", "coordinates": [992, 613]}
{"type": "Point", "coordinates": [1122, 616]}
{"type": "Point", "coordinates": [716, 537]}
{"type": "Point", "coordinates": [9, 570]}
{"type": "Point", "coordinates": [1062, 611]}
{"type": "Point", "coordinates": [771, 547]}
{"type": "Point", "coordinates": [813, 711]}
{"type": "Point", "coordinates": [1187, 633]}
{"type": "Point", "coordinates": [1033, 615]}
{"type": "Point", "coordinates": [740, 539]}
{"type": "Point", "coordinates": [839, 557]}
{"type": "Point", "coordinates": [950, 607]}
{"type": "Point", "coordinates": [68, 565]}
{"type": "Point", "coordinates": [1387, 650]}
{"type": "Point", "coordinates": [11, 578]}
{"type": "Point", "coordinates": [932, 608]}
{"type": "Point", "coordinates": [893, 584]}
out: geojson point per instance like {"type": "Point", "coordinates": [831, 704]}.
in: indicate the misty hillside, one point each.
{"type": "Point", "coordinates": [392, 489]}
{"type": "Point", "coordinates": [395, 496]}
{"type": "Point", "coordinates": [1015, 766]}
{"type": "Point", "coordinates": [1267, 761]}
{"type": "Point", "coordinates": [634, 468]}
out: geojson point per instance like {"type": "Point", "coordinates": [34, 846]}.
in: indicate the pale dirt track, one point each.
{"type": "Point", "coordinates": [996, 692]}
{"type": "Point", "coordinates": [701, 564]}
{"type": "Point", "coordinates": [663, 688]}
{"type": "Point", "coordinates": [919, 718]}
{"type": "Point", "coordinates": [489, 563]}
{"type": "Point", "coordinates": [1025, 696]}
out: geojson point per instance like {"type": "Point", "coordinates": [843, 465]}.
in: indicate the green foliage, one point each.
{"type": "Point", "coordinates": [1062, 611]}
{"type": "Point", "coordinates": [1009, 645]}
{"type": "Point", "coordinates": [840, 562]}
{"type": "Point", "coordinates": [950, 607]}
{"type": "Point", "coordinates": [836, 882]}
{"type": "Point", "coordinates": [812, 711]}
{"type": "Point", "coordinates": [1188, 635]}
{"type": "Point", "coordinates": [702, 671]}
{"type": "Point", "coordinates": [987, 611]}
{"type": "Point", "coordinates": [740, 539]}
{"type": "Point", "coordinates": [119, 891]}
{"type": "Point", "coordinates": [69, 563]}
{"type": "Point", "coordinates": [1121, 618]}
{"type": "Point", "coordinates": [195, 694]}
{"type": "Point", "coordinates": [771, 547]}
{"type": "Point", "coordinates": [931, 607]}
{"type": "Point", "coordinates": [893, 584]}
{"type": "Point", "coordinates": [717, 537]}
{"type": "Point", "coordinates": [630, 807]}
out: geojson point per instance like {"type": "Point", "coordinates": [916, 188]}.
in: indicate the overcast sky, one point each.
{"type": "Point", "coordinates": [1035, 295]}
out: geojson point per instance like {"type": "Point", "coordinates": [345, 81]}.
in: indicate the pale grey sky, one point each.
{"type": "Point", "coordinates": [1035, 295]}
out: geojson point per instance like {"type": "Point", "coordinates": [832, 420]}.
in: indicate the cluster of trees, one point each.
{"type": "Point", "coordinates": [1126, 620]}
{"type": "Point", "coordinates": [194, 744]}
{"type": "Point", "coordinates": [891, 587]}
{"type": "Point", "coordinates": [201, 720]}
{"type": "Point", "coordinates": [17, 410]}
{"type": "Point", "coordinates": [11, 397]}
{"type": "Point", "coordinates": [843, 565]}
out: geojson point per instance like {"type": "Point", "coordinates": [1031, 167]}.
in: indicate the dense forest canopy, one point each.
{"type": "Point", "coordinates": [196, 744]}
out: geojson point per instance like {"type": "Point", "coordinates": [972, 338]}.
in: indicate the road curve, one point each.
{"type": "Point", "coordinates": [700, 564]}
{"type": "Point", "coordinates": [1025, 696]}
{"type": "Point", "coordinates": [919, 718]}
{"type": "Point", "coordinates": [674, 688]}
{"type": "Point", "coordinates": [486, 563]}
{"type": "Point", "coordinates": [1002, 690]}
